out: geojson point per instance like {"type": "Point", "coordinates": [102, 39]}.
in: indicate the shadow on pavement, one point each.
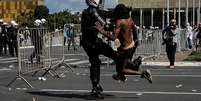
{"type": "Point", "coordinates": [85, 96]}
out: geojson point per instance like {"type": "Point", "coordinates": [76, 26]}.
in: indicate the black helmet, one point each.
{"type": "Point", "coordinates": [93, 3]}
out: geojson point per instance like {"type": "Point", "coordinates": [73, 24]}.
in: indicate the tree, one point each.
{"type": "Point", "coordinates": [41, 12]}
{"type": "Point", "coordinates": [25, 19]}
{"type": "Point", "coordinates": [58, 20]}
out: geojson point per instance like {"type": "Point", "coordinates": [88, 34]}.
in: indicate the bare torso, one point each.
{"type": "Point", "coordinates": [125, 34]}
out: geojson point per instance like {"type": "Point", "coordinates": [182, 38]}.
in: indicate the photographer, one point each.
{"type": "Point", "coordinates": [169, 36]}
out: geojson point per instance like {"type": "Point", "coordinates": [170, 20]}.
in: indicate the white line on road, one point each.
{"type": "Point", "coordinates": [9, 61]}
{"type": "Point", "coordinates": [79, 62]}
{"type": "Point", "coordinates": [5, 59]}
{"type": "Point", "coordinates": [5, 69]}
{"type": "Point", "coordinates": [68, 60]}
{"type": "Point", "coordinates": [196, 76]}
{"type": "Point", "coordinates": [124, 92]}
{"type": "Point", "coordinates": [74, 54]}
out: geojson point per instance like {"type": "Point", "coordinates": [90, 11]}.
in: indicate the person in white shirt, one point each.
{"type": "Point", "coordinates": [189, 35]}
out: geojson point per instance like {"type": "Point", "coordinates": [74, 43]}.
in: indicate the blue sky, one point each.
{"type": "Point", "coordinates": [74, 5]}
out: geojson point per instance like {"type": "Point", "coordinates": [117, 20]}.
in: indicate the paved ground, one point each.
{"type": "Point", "coordinates": [179, 84]}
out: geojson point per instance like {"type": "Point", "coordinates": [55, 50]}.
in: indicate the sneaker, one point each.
{"type": "Point", "coordinates": [120, 78]}
{"type": "Point", "coordinates": [97, 96]}
{"type": "Point", "coordinates": [171, 67]}
{"type": "Point", "coordinates": [100, 88]}
{"type": "Point", "coordinates": [147, 75]}
{"type": "Point", "coordinates": [136, 63]}
{"type": "Point", "coordinates": [96, 93]}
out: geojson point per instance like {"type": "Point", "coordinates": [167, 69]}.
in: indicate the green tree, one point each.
{"type": "Point", "coordinates": [41, 12]}
{"type": "Point", "coordinates": [58, 20]}
{"type": "Point", "coordinates": [25, 19]}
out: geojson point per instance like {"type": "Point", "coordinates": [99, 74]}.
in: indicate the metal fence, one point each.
{"type": "Point", "coordinates": [150, 42]}
{"type": "Point", "coordinates": [40, 50]}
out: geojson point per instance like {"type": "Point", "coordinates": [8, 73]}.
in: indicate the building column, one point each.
{"type": "Point", "coordinates": [175, 14]}
{"type": "Point", "coordinates": [186, 11]}
{"type": "Point", "coordinates": [198, 16]}
{"type": "Point", "coordinates": [168, 12]}
{"type": "Point", "coordinates": [163, 22]}
{"type": "Point", "coordinates": [141, 25]}
{"type": "Point", "coordinates": [152, 17]}
{"type": "Point", "coordinates": [179, 22]}
{"type": "Point", "coordinates": [141, 18]}
{"type": "Point", "coordinates": [193, 12]}
{"type": "Point", "coordinates": [198, 13]}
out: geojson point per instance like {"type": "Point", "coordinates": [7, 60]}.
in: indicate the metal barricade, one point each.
{"type": "Point", "coordinates": [149, 43]}
{"type": "Point", "coordinates": [73, 36]}
{"type": "Point", "coordinates": [40, 50]}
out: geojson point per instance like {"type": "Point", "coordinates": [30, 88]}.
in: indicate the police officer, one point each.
{"type": "Point", "coordinates": [4, 37]}
{"type": "Point", "coordinates": [12, 38]}
{"type": "Point", "coordinates": [1, 32]}
{"type": "Point", "coordinates": [93, 45]}
{"type": "Point", "coordinates": [36, 39]}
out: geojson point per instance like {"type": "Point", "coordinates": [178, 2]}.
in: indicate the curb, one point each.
{"type": "Point", "coordinates": [197, 64]}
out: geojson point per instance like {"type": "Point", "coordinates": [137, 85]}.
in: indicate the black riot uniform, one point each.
{"type": "Point", "coordinates": [1, 32]}
{"type": "Point", "coordinates": [4, 39]}
{"type": "Point", "coordinates": [12, 40]}
{"type": "Point", "coordinates": [93, 45]}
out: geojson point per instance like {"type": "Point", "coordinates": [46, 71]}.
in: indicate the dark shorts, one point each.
{"type": "Point", "coordinates": [124, 58]}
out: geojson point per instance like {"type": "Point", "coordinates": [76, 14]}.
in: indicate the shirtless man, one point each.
{"type": "Point", "coordinates": [124, 32]}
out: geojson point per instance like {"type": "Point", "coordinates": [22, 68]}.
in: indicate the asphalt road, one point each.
{"type": "Point", "coordinates": [179, 84]}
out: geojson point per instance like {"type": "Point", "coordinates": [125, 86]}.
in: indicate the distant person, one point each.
{"type": "Point", "coordinates": [12, 38]}
{"type": "Point", "coordinates": [189, 35]}
{"type": "Point", "coordinates": [71, 39]}
{"type": "Point", "coordinates": [66, 35]}
{"type": "Point", "coordinates": [37, 41]}
{"type": "Point", "coordinates": [169, 36]}
{"type": "Point", "coordinates": [4, 38]}
{"type": "Point", "coordinates": [198, 36]}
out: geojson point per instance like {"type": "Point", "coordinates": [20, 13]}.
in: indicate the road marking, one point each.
{"type": "Point", "coordinates": [12, 61]}
{"type": "Point", "coordinates": [5, 59]}
{"type": "Point", "coordinates": [5, 69]}
{"type": "Point", "coordinates": [74, 54]}
{"type": "Point", "coordinates": [196, 76]}
{"type": "Point", "coordinates": [79, 62]}
{"type": "Point", "coordinates": [124, 92]}
{"type": "Point", "coordinates": [68, 60]}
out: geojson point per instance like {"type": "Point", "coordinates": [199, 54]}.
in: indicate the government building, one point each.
{"type": "Point", "coordinates": [160, 12]}
{"type": "Point", "coordinates": [10, 9]}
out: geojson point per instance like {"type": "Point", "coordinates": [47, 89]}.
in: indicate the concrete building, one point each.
{"type": "Point", "coordinates": [160, 12]}
{"type": "Point", "coordinates": [10, 9]}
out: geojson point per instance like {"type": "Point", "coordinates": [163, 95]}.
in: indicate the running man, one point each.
{"type": "Point", "coordinates": [124, 32]}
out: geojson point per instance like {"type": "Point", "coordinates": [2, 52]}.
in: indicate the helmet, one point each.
{"type": "Point", "coordinates": [1, 20]}
{"type": "Point", "coordinates": [37, 22]}
{"type": "Point", "coordinates": [43, 20]}
{"type": "Point", "coordinates": [93, 3]}
{"type": "Point", "coordinates": [12, 22]}
{"type": "Point", "coordinates": [5, 23]}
